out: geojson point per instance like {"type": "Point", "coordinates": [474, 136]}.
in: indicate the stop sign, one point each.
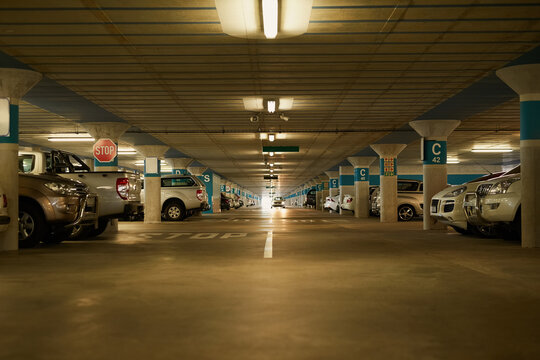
{"type": "Point", "coordinates": [105, 150]}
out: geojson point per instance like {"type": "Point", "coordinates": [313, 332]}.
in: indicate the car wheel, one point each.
{"type": "Point", "coordinates": [102, 226]}
{"type": "Point", "coordinates": [513, 232]}
{"type": "Point", "coordinates": [57, 236]}
{"type": "Point", "coordinates": [174, 211]}
{"type": "Point", "coordinates": [32, 225]}
{"type": "Point", "coordinates": [405, 213]}
{"type": "Point", "coordinates": [460, 230]}
{"type": "Point", "coordinates": [488, 231]}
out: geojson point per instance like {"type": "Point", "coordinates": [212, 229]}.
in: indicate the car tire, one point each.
{"type": "Point", "coordinates": [174, 211]}
{"type": "Point", "coordinates": [102, 226]}
{"type": "Point", "coordinates": [32, 225]}
{"type": "Point", "coordinates": [57, 236]}
{"type": "Point", "coordinates": [406, 213]}
{"type": "Point", "coordinates": [487, 231]}
{"type": "Point", "coordinates": [460, 230]}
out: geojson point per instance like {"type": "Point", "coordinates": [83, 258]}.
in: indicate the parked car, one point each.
{"type": "Point", "coordinates": [348, 202]}
{"type": "Point", "coordinates": [497, 203]}
{"type": "Point", "coordinates": [410, 199]}
{"type": "Point", "coordinates": [181, 196]}
{"type": "Point", "coordinates": [311, 198]}
{"type": "Point", "coordinates": [51, 206]}
{"type": "Point", "coordinates": [4, 216]}
{"type": "Point", "coordinates": [118, 191]}
{"type": "Point", "coordinates": [332, 203]}
{"type": "Point", "coordinates": [225, 202]}
{"type": "Point", "coordinates": [278, 202]}
{"type": "Point", "coordinates": [447, 205]}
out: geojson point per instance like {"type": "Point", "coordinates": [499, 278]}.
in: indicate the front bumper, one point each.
{"type": "Point", "coordinates": [499, 207]}
{"type": "Point", "coordinates": [449, 211]}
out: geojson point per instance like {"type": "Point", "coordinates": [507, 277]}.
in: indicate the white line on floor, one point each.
{"type": "Point", "coordinates": [268, 246]}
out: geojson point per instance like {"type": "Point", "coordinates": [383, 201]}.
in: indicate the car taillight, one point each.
{"type": "Point", "coordinates": [349, 200]}
{"type": "Point", "coordinates": [122, 188]}
{"type": "Point", "coordinates": [200, 195]}
{"type": "Point", "coordinates": [5, 200]}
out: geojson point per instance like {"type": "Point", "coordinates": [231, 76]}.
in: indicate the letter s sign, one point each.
{"type": "Point", "coordinates": [206, 178]}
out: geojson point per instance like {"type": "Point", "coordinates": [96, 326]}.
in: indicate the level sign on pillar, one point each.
{"type": "Point", "coordinates": [334, 183]}
{"type": "Point", "coordinates": [152, 167]}
{"type": "Point", "coordinates": [434, 152]}
{"type": "Point", "coordinates": [105, 153]}
{"type": "Point", "coordinates": [361, 174]}
{"type": "Point", "coordinates": [388, 166]}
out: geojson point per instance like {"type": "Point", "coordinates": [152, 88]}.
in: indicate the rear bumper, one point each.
{"type": "Point", "coordinates": [133, 208]}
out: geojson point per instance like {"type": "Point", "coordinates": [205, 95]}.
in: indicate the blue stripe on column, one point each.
{"type": "Point", "coordinates": [530, 120]}
{"type": "Point", "coordinates": [346, 180]}
{"type": "Point", "coordinates": [13, 137]}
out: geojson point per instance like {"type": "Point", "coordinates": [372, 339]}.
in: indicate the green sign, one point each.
{"type": "Point", "coordinates": [281, 148]}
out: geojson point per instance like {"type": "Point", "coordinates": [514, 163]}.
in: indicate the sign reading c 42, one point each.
{"type": "Point", "coordinates": [434, 152]}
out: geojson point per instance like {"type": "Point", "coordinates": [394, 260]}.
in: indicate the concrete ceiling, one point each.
{"type": "Point", "coordinates": [363, 70]}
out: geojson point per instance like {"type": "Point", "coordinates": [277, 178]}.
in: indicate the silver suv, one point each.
{"type": "Point", "coordinates": [410, 200]}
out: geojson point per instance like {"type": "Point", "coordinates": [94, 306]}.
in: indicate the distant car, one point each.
{"type": "Point", "coordinates": [225, 202]}
{"type": "Point", "coordinates": [4, 217]}
{"type": "Point", "coordinates": [311, 198]}
{"type": "Point", "coordinates": [410, 199]}
{"type": "Point", "coordinates": [447, 205]}
{"type": "Point", "coordinates": [348, 202]}
{"type": "Point", "coordinates": [278, 202]}
{"type": "Point", "coordinates": [332, 203]}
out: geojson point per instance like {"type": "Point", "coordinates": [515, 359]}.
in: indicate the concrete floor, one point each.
{"type": "Point", "coordinates": [335, 288]}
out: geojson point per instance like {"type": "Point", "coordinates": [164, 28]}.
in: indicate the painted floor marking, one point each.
{"type": "Point", "coordinates": [268, 246]}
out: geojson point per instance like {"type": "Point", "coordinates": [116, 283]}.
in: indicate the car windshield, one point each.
{"type": "Point", "coordinates": [177, 182]}
{"type": "Point", "coordinates": [407, 186]}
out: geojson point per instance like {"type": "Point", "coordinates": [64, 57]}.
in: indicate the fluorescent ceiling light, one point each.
{"type": "Point", "coordinates": [271, 170]}
{"type": "Point", "coordinates": [270, 18]}
{"type": "Point", "coordinates": [492, 150]}
{"type": "Point", "coordinates": [271, 164]}
{"type": "Point", "coordinates": [271, 106]}
{"type": "Point", "coordinates": [127, 152]}
{"type": "Point", "coordinates": [286, 103]}
{"type": "Point", "coordinates": [281, 136]}
{"type": "Point", "coordinates": [241, 18]}
{"type": "Point", "coordinates": [271, 137]}
{"type": "Point", "coordinates": [263, 136]}
{"type": "Point", "coordinates": [71, 139]}
{"type": "Point", "coordinates": [271, 153]}
{"type": "Point", "coordinates": [452, 161]}
{"type": "Point", "coordinates": [253, 103]}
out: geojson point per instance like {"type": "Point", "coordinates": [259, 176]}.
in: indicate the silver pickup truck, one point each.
{"type": "Point", "coordinates": [118, 191]}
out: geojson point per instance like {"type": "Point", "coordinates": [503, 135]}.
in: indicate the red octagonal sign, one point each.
{"type": "Point", "coordinates": [105, 150]}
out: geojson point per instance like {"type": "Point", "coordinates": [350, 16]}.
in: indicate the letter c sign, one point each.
{"type": "Point", "coordinates": [435, 152]}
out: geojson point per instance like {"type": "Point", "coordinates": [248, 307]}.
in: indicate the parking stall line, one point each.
{"type": "Point", "coordinates": [268, 246]}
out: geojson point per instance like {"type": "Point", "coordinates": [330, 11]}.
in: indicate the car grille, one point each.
{"type": "Point", "coordinates": [483, 189]}
{"type": "Point", "coordinates": [434, 205]}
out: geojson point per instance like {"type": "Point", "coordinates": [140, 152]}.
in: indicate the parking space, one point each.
{"type": "Point", "coordinates": [333, 288]}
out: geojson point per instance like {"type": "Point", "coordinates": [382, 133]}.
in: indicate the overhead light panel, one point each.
{"type": "Point", "coordinates": [286, 103]}
{"type": "Point", "coordinates": [271, 153]}
{"type": "Point", "coordinates": [280, 19]}
{"type": "Point", "coordinates": [492, 150]}
{"type": "Point", "coordinates": [71, 138]}
{"type": "Point", "coordinates": [253, 103]}
{"type": "Point", "coordinates": [452, 161]}
{"type": "Point", "coordinates": [271, 137]}
{"type": "Point", "coordinates": [271, 164]}
{"type": "Point", "coordinates": [281, 136]}
{"type": "Point", "coordinates": [271, 105]}
{"type": "Point", "coordinates": [263, 136]}
{"type": "Point", "coordinates": [270, 18]}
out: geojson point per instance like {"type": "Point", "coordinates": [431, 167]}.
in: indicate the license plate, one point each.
{"type": "Point", "coordinates": [433, 209]}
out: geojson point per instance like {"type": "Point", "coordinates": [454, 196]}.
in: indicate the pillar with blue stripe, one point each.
{"type": "Point", "coordinates": [525, 80]}
{"type": "Point", "coordinates": [346, 184]}
{"type": "Point", "coordinates": [361, 184]}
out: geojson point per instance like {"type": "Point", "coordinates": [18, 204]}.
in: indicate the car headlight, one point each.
{"type": "Point", "coordinates": [456, 192]}
{"type": "Point", "coordinates": [58, 188]}
{"type": "Point", "coordinates": [502, 186]}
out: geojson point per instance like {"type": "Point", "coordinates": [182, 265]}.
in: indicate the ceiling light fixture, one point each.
{"type": "Point", "coordinates": [492, 150]}
{"type": "Point", "coordinates": [452, 161]}
{"type": "Point", "coordinates": [283, 19]}
{"type": "Point", "coordinates": [271, 137]}
{"type": "Point", "coordinates": [271, 170]}
{"type": "Point", "coordinates": [271, 164]}
{"type": "Point", "coordinates": [72, 138]}
{"type": "Point", "coordinates": [271, 105]}
{"type": "Point", "coordinates": [127, 152]}
{"type": "Point", "coordinates": [270, 18]}
{"type": "Point", "coordinates": [271, 153]}
{"type": "Point", "coordinates": [286, 103]}
{"type": "Point", "coordinates": [263, 136]}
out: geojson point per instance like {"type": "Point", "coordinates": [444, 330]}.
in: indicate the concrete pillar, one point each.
{"type": "Point", "coordinates": [152, 181]}
{"type": "Point", "coordinates": [388, 191]}
{"type": "Point", "coordinates": [346, 183]}
{"type": "Point", "coordinates": [179, 165]}
{"type": "Point", "coordinates": [361, 184]}
{"type": "Point", "coordinates": [14, 83]}
{"type": "Point", "coordinates": [323, 193]}
{"type": "Point", "coordinates": [106, 130]}
{"type": "Point", "coordinates": [333, 181]}
{"type": "Point", "coordinates": [89, 163]}
{"type": "Point", "coordinates": [525, 80]}
{"type": "Point", "coordinates": [435, 133]}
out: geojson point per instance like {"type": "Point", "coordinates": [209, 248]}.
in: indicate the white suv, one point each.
{"type": "Point", "coordinates": [497, 202]}
{"type": "Point", "coordinates": [181, 196]}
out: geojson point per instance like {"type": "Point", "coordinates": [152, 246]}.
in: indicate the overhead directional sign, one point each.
{"type": "Point", "coordinates": [281, 149]}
